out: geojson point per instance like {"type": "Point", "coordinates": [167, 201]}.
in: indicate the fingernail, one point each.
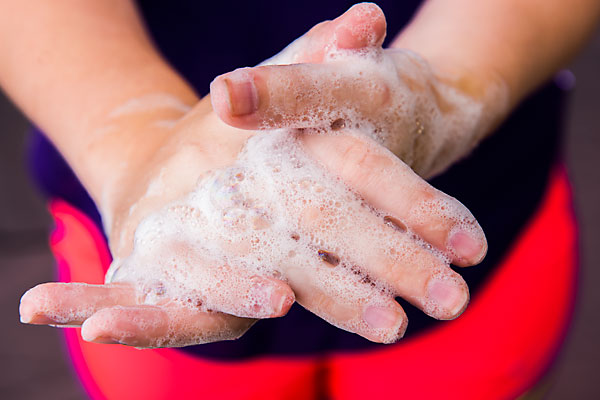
{"type": "Point", "coordinates": [89, 334]}
{"type": "Point", "coordinates": [447, 295]}
{"type": "Point", "coordinates": [466, 247]}
{"type": "Point", "coordinates": [267, 300]}
{"type": "Point", "coordinates": [280, 301]}
{"type": "Point", "coordinates": [26, 308]}
{"type": "Point", "coordinates": [26, 312]}
{"type": "Point", "coordinates": [243, 96]}
{"type": "Point", "coordinates": [381, 317]}
{"type": "Point", "coordinates": [25, 319]}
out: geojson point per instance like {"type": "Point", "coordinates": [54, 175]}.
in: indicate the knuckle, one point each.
{"type": "Point", "coordinates": [360, 163]}
{"type": "Point", "coordinates": [340, 310]}
{"type": "Point", "coordinates": [319, 29]}
{"type": "Point", "coordinates": [380, 94]}
{"type": "Point", "coordinates": [355, 153]}
{"type": "Point", "coordinates": [291, 93]}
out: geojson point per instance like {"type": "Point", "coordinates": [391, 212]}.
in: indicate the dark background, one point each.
{"type": "Point", "coordinates": [33, 364]}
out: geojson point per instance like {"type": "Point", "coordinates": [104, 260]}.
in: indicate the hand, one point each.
{"type": "Point", "coordinates": [341, 76]}
{"type": "Point", "coordinates": [413, 231]}
{"type": "Point", "coordinates": [118, 311]}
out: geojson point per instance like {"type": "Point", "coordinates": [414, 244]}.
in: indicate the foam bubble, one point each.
{"type": "Point", "coordinates": [418, 113]}
{"type": "Point", "coordinates": [150, 102]}
{"type": "Point", "coordinates": [277, 213]}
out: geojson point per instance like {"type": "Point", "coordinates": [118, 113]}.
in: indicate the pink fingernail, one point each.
{"type": "Point", "coordinates": [381, 317]}
{"type": "Point", "coordinates": [26, 308]}
{"type": "Point", "coordinates": [447, 295]}
{"type": "Point", "coordinates": [243, 96]}
{"type": "Point", "coordinates": [466, 247]}
{"type": "Point", "coordinates": [268, 300]}
{"type": "Point", "coordinates": [90, 334]}
{"type": "Point", "coordinates": [280, 301]}
{"type": "Point", "coordinates": [26, 312]}
{"type": "Point", "coordinates": [25, 319]}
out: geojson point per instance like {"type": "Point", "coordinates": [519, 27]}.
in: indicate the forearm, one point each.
{"type": "Point", "coordinates": [521, 43]}
{"type": "Point", "coordinates": [71, 65]}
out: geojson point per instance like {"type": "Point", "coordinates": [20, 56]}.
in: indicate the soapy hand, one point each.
{"type": "Point", "coordinates": [230, 228]}
{"type": "Point", "coordinates": [338, 75]}
{"type": "Point", "coordinates": [120, 312]}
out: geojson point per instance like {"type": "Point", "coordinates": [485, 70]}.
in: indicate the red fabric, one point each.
{"type": "Point", "coordinates": [119, 372]}
{"type": "Point", "coordinates": [497, 349]}
{"type": "Point", "coordinates": [505, 339]}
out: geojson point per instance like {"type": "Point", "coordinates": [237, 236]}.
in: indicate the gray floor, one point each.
{"type": "Point", "coordinates": [33, 365]}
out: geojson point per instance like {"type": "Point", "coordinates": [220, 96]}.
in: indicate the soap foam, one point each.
{"type": "Point", "coordinates": [422, 118]}
{"type": "Point", "coordinates": [273, 213]}
{"type": "Point", "coordinates": [150, 102]}
{"type": "Point", "coordinates": [277, 213]}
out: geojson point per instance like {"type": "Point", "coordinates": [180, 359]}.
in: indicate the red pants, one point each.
{"type": "Point", "coordinates": [498, 348]}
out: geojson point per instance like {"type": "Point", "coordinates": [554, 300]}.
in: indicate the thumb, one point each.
{"type": "Point", "coordinates": [296, 96]}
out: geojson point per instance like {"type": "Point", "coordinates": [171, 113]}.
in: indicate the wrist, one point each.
{"type": "Point", "coordinates": [117, 163]}
{"type": "Point", "coordinates": [486, 90]}
{"type": "Point", "coordinates": [461, 65]}
{"type": "Point", "coordinates": [480, 102]}
{"type": "Point", "coordinates": [455, 109]}
{"type": "Point", "coordinates": [120, 143]}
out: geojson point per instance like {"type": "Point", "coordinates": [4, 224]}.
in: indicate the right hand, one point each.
{"type": "Point", "coordinates": [397, 255]}
{"type": "Point", "coordinates": [338, 74]}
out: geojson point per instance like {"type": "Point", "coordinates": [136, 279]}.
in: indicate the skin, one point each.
{"type": "Point", "coordinates": [212, 145]}
{"type": "Point", "coordinates": [73, 63]}
{"type": "Point", "coordinates": [479, 58]}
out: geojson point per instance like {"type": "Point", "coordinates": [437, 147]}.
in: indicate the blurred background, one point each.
{"type": "Point", "coordinates": [34, 365]}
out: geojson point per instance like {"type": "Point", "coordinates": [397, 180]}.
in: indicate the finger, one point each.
{"type": "Point", "coordinates": [297, 96]}
{"type": "Point", "coordinates": [345, 299]}
{"type": "Point", "coordinates": [391, 186]}
{"type": "Point", "coordinates": [154, 326]}
{"type": "Point", "coordinates": [226, 290]}
{"type": "Point", "coordinates": [396, 260]}
{"type": "Point", "coordinates": [71, 303]}
{"type": "Point", "coordinates": [242, 98]}
{"type": "Point", "coordinates": [181, 270]}
{"type": "Point", "coordinates": [363, 25]}
{"type": "Point", "coordinates": [235, 292]}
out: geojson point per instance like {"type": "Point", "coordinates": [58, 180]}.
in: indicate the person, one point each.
{"type": "Point", "coordinates": [94, 70]}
